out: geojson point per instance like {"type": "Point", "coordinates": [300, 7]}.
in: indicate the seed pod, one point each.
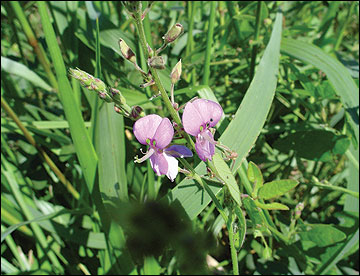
{"type": "Point", "coordinates": [173, 33]}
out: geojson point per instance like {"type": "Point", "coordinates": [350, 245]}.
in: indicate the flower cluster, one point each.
{"type": "Point", "coordinates": [198, 117]}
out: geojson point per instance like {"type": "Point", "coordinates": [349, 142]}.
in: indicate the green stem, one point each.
{"type": "Point", "coordinates": [317, 183]}
{"type": "Point", "coordinates": [256, 38]}
{"type": "Point", "coordinates": [38, 49]}
{"type": "Point", "coordinates": [156, 78]}
{"type": "Point", "coordinates": [209, 43]}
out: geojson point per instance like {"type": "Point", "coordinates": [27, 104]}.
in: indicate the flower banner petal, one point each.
{"type": "Point", "coordinates": [210, 111]}
{"type": "Point", "coordinates": [192, 119]}
{"type": "Point", "coordinates": [164, 134]}
{"type": "Point", "coordinates": [145, 127]}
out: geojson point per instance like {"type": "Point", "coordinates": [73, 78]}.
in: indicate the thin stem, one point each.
{"type": "Point", "coordinates": [40, 150]}
{"type": "Point", "coordinates": [38, 49]}
{"type": "Point", "coordinates": [317, 183]}
{"type": "Point", "coordinates": [209, 43]}
{"type": "Point", "coordinates": [256, 38]}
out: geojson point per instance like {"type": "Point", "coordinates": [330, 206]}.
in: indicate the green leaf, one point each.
{"type": "Point", "coordinates": [13, 227]}
{"type": "Point", "coordinates": [84, 148]}
{"type": "Point", "coordinates": [323, 235]}
{"type": "Point", "coordinates": [240, 135]}
{"type": "Point", "coordinates": [255, 176]}
{"type": "Point", "coordinates": [337, 74]}
{"type": "Point", "coordinates": [254, 213]}
{"type": "Point", "coordinates": [241, 233]}
{"type": "Point", "coordinates": [18, 69]}
{"type": "Point", "coordinates": [276, 188]}
{"type": "Point", "coordinates": [227, 176]}
{"type": "Point", "coordinates": [110, 146]}
{"type": "Point", "coordinates": [271, 206]}
{"type": "Point", "coordinates": [318, 145]}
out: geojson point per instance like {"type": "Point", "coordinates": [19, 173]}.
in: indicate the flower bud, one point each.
{"type": "Point", "coordinates": [85, 79]}
{"type": "Point", "coordinates": [104, 96]}
{"type": "Point", "coordinates": [173, 33]}
{"type": "Point", "coordinates": [126, 51]}
{"type": "Point", "coordinates": [99, 85]}
{"type": "Point", "coordinates": [157, 62]}
{"type": "Point", "coordinates": [136, 112]}
{"type": "Point", "coordinates": [299, 207]}
{"type": "Point", "coordinates": [118, 110]}
{"type": "Point", "coordinates": [176, 73]}
{"type": "Point", "coordinates": [132, 6]}
{"type": "Point", "coordinates": [150, 51]}
{"type": "Point", "coordinates": [117, 96]}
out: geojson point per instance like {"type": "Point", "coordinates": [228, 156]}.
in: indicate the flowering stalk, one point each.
{"type": "Point", "coordinates": [167, 102]}
{"type": "Point", "coordinates": [174, 114]}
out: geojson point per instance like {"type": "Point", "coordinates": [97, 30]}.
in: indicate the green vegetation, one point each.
{"type": "Point", "coordinates": [280, 194]}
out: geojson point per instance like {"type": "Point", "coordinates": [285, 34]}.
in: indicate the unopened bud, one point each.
{"type": "Point", "coordinates": [150, 51]}
{"type": "Point", "coordinates": [267, 21]}
{"type": "Point", "coordinates": [117, 96]}
{"type": "Point", "coordinates": [99, 85]}
{"type": "Point", "coordinates": [176, 73]}
{"type": "Point", "coordinates": [104, 96]}
{"type": "Point", "coordinates": [173, 33]}
{"type": "Point", "coordinates": [136, 112]}
{"type": "Point", "coordinates": [132, 6]}
{"type": "Point", "coordinates": [126, 51]}
{"type": "Point", "coordinates": [85, 79]}
{"type": "Point", "coordinates": [299, 207]}
{"type": "Point", "coordinates": [118, 110]}
{"type": "Point", "coordinates": [157, 62]}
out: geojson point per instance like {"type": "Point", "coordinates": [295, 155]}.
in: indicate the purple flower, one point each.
{"type": "Point", "coordinates": [197, 118]}
{"type": "Point", "coordinates": [158, 132]}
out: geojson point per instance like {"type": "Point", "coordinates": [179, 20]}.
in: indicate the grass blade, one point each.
{"type": "Point", "coordinates": [84, 148]}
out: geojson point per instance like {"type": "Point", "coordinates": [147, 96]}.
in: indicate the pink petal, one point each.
{"type": "Point", "coordinates": [159, 163]}
{"type": "Point", "coordinates": [164, 134]}
{"type": "Point", "coordinates": [204, 148]}
{"type": "Point", "coordinates": [145, 127]}
{"type": "Point", "coordinates": [172, 167]}
{"type": "Point", "coordinates": [210, 111]}
{"type": "Point", "coordinates": [192, 119]}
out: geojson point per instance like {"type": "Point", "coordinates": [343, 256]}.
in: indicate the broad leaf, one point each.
{"type": "Point", "coordinates": [323, 235]}
{"type": "Point", "coordinates": [276, 188]}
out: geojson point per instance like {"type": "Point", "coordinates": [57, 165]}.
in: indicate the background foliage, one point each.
{"type": "Point", "coordinates": [72, 199]}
